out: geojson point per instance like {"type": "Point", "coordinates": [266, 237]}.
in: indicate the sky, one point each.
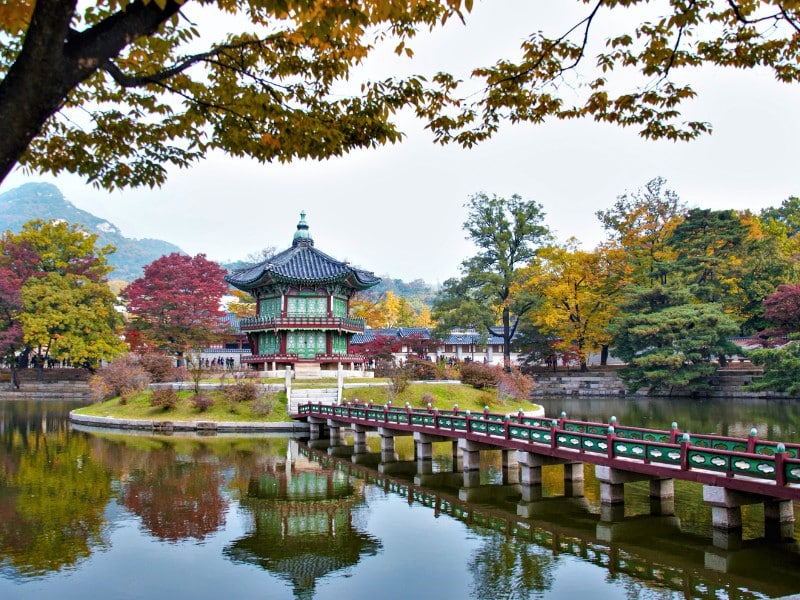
{"type": "Point", "coordinates": [399, 210]}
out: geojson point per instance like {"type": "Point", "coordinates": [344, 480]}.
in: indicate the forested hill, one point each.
{"type": "Point", "coordinates": [45, 201]}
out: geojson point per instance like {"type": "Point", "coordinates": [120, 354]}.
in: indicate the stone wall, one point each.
{"type": "Point", "coordinates": [55, 390]}
{"type": "Point", "coordinates": [727, 383]}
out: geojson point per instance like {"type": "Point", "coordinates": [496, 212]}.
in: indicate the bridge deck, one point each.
{"type": "Point", "coordinates": [744, 464]}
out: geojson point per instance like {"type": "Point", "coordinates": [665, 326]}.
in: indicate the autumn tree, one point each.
{"type": "Point", "coordinates": [574, 308]}
{"type": "Point", "coordinates": [67, 309]}
{"type": "Point", "coordinates": [120, 91]}
{"type": "Point", "coordinates": [363, 308]}
{"type": "Point", "coordinates": [175, 305]}
{"type": "Point", "coordinates": [507, 233]}
{"type": "Point", "coordinates": [639, 226]}
{"type": "Point", "coordinates": [638, 76]}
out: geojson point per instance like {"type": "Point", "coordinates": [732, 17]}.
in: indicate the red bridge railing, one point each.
{"type": "Point", "coordinates": [747, 464]}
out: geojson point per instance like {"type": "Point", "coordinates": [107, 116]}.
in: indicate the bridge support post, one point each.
{"type": "Point", "coordinates": [458, 458]}
{"type": "Point", "coordinates": [359, 439]}
{"type": "Point", "coordinates": [612, 489]}
{"type": "Point", "coordinates": [387, 446]}
{"type": "Point", "coordinates": [510, 467]}
{"type": "Point", "coordinates": [778, 519]}
{"type": "Point", "coordinates": [336, 435]}
{"type": "Point", "coordinates": [726, 511]}
{"type": "Point", "coordinates": [316, 427]}
{"type": "Point", "coordinates": [530, 471]}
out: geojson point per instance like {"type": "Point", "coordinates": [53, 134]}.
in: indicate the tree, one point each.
{"type": "Point", "coordinates": [116, 91]}
{"type": "Point", "coordinates": [782, 308]}
{"type": "Point", "coordinates": [68, 310]}
{"type": "Point", "coordinates": [574, 308]}
{"type": "Point", "coordinates": [723, 256]}
{"type": "Point", "coordinates": [175, 305]}
{"type": "Point", "coordinates": [569, 74]}
{"type": "Point", "coordinates": [640, 225]}
{"type": "Point", "coordinates": [507, 233]}
{"type": "Point", "coordinates": [668, 341]}
{"type": "Point", "coordinates": [781, 369]}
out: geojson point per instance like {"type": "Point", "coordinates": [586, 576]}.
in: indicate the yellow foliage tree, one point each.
{"type": "Point", "coordinates": [575, 308]}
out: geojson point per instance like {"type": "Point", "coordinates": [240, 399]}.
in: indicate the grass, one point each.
{"type": "Point", "coordinates": [138, 407]}
{"type": "Point", "coordinates": [441, 396]}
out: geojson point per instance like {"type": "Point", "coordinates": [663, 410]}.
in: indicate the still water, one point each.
{"type": "Point", "coordinates": [108, 514]}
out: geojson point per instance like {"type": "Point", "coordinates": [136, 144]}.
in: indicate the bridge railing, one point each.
{"type": "Point", "coordinates": [763, 460]}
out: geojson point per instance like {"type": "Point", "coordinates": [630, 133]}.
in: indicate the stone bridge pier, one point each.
{"type": "Point", "coordinates": [726, 515]}
{"type": "Point", "coordinates": [612, 492]}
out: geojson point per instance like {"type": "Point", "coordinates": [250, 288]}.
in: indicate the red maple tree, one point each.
{"type": "Point", "coordinates": [175, 305]}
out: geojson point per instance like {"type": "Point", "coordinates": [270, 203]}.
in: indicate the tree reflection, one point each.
{"type": "Point", "coordinates": [510, 568]}
{"type": "Point", "coordinates": [52, 497]}
{"type": "Point", "coordinates": [176, 498]}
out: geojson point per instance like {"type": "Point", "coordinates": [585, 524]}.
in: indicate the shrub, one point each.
{"type": "Point", "coordinates": [421, 370]}
{"type": "Point", "coordinates": [123, 377]}
{"type": "Point", "coordinates": [480, 376]}
{"type": "Point", "coordinates": [241, 391]}
{"type": "Point", "coordinates": [427, 398]}
{"type": "Point", "coordinates": [202, 402]}
{"type": "Point", "coordinates": [514, 385]}
{"type": "Point", "coordinates": [160, 366]}
{"type": "Point", "coordinates": [166, 398]}
{"type": "Point", "coordinates": [263, 405]}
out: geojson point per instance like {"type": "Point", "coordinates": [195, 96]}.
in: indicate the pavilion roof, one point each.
{"type": "Point", "coordinates": [302, 263]}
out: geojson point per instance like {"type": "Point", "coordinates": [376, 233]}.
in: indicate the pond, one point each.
{"type": "Point", "coordinates": [112, 514]}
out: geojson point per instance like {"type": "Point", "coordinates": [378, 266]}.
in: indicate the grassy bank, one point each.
{"type": "Point", "coordinates": [272, 408]}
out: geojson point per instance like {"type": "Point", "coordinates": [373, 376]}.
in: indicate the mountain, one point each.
{"type": "Point", "coordinates": [45, 201]}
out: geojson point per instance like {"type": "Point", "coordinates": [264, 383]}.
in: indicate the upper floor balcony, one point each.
{"type": "Point", "coordinates": [290, 321]}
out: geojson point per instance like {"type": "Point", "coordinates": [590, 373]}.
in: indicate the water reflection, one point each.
{"type": "Point", "coordinates": [302, 524]}
{"type": "Point", "coordinates": [316, 520]}
{"type": "Point", "coordinates": [525, 537]}
{"type": "Point", "coordinates": [52, 492]}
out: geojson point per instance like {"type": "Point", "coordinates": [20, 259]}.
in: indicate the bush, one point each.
{"type": "Point", "coordinates": [160, 366]}
{"type": "Point", "coordinates": [241, 391]}
{"type": "Point", "coordinates": [202, 402]}
{"type": "Point", "coordinates": [166, 398]}
{"type": "Point", "coordinates": [480, 376]}
{"type": "Point", "coordinates": [263, 405]}
{"type": "Point", "coordinates": [123, 377]}
{"type": "Point", "coordinates": [514, 385]}
{"type": "Point", "coordinates": [428, 398]}
{"type": "Point", "coordinates": [421, 370]}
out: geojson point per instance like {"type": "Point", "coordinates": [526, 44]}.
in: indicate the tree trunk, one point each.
{"type": "Point", "coordinates": [603, 355]}
{"type": "Point", "coordinates": [506, 342]}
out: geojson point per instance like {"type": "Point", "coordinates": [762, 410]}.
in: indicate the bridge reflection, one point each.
{"type": "Point", "coordinates": [651, 548]}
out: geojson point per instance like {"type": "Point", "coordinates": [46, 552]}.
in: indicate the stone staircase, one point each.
{"type": "Point", "coordinates": [299, 396]}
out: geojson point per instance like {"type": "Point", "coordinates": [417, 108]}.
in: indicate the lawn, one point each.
{"type": "Point", "coordinates": [271, 408]}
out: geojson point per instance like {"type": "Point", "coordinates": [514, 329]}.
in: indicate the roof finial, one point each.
{"type": "Point", "coordinates": [302, 236]}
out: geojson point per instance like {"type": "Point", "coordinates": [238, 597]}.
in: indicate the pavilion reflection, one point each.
{"type": "Point", "coordinates": [303, 525]}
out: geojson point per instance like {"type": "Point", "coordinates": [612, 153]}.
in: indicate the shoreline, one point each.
{"type": "Point", "coordinates": [162, 425]}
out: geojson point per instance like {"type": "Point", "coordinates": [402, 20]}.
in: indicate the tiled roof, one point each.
{"type": "Point", "coordinates": [302, 263]}
{"type": "Point", "coordinates": [462, 337]}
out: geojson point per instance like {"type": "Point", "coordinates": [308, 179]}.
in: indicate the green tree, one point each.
{"type": "Point", "coordinates": [722, 256]}
{"type": "Point", "coordinates": [507, 234]}
{"type": "Point", "coordinates": [781, 369]}
{"type": "Point", "coordinates": [669, 341]}
{"type": "Point", "coordinates": [68, 310]}
{"type": "Point", "coordinates": [117, 91]}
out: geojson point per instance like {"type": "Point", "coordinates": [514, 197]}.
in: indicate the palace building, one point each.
{"type": "Point", "coordinates": [302, 309]}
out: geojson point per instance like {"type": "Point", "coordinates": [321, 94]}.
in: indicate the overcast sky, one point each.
{"type": "Point", "coordinates": [399, 210]}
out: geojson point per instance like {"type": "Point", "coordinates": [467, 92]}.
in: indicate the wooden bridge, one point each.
{"type": "Point", "coordinates": [734, 471]}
